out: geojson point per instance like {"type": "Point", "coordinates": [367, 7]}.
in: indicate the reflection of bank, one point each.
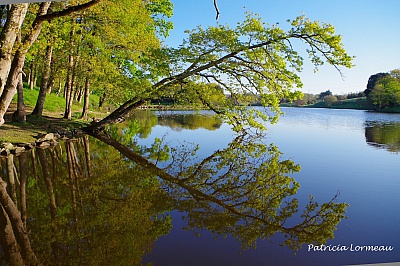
{"type": "Point", "coordinates": [383, 135]}
{"type": "Point", "coordinates": [86, 200]}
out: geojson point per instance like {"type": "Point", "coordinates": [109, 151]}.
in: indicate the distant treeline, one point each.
{"type": "Point", "coordinates": [381, 94]}
{"type": "Point", "coordinates": [326, 97]}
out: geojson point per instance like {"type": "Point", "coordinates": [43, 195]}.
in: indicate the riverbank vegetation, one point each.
{"type": "Point", "coordinates": [382, 94]}
{"type": "Point", "coordinates": [326, 99]}
{"type": "Point", "coordinates": [114, 49]}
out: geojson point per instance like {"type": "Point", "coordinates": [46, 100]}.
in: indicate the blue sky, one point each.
{"type": "Point", "coordinates": [370, 30]}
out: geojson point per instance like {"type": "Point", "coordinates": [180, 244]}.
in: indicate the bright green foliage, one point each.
{"type": "Point", "coordinates": [246, 191]}
{"type": "Point", "coordinates": [386, 92]}
{"type": "Point", "coordinates": [161, 9]}
{"type": "Point", "coordinates": [116, 34]}
{"type": "Point", "coordinates": [191, 121]}
{"type": "Point", "coordinates": [91, 203]}
{"type": "Point", "coordinates": [251, 59]}
{"type": "Point", "coordinates": [383, 135]}
{"type": "Point", "coordinates": [106, 211]}
{"type": "Point", "coordinates": [109, 44]}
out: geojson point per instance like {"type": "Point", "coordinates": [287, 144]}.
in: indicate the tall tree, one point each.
{"type": "Point", "coordinates": [385, 91]}
{"type": "Point", "coordinates": [373, 79]}
{"type": "Point", "coordinates": [10, 70]}
{"type": "Point", "coordinates": [250, 58]}
{"type": "Point", "coordinates": [250, 203]}
{"type": "Point", "coordinates": [15, 18]}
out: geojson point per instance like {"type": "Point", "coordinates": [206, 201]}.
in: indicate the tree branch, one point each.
{"type": "Point", "coordinates": [216, 9]}
{"type": "Point", "coordinates": [67, 11]}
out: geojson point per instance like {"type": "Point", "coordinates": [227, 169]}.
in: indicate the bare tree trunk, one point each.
{"type": "Point", "coordinates": [114, 116]}
{"type": "Point", "coordinates": [20, 114]}
{"type": "Point", "coordinates": [43, 87]}
{"type": "Point", "coordinates": [85, 109]}
{"type": "Point", "coordinates": [50, 86]}
{"type": "Point", "coordinates": [32, 75]}
{"type": "Point", "coordinates": [70, 75]}
{"type": "Point", "coordinates": [79, 93]}
{"type": "Point", "coordinates": [8, 36]}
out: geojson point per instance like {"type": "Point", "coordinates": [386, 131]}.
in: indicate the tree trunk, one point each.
{"type": "Point", "coordinates": [50, 86]}
{"type": "Point", "coordinates": [102, 99]}
{"type": "Point", "coordinates": [87, 155]}
{"type": "Point", "coordinates": [21, 235]}
{"type": "Point", "coordinates": [12, 82]}
{"type": "Point", "coordinates": [11, 178]}
{"type": "Point", "coordinates": [32, 70]}
{"type": "Point", "coordinates": [79, 93]}
{"type": "Point", "coordinates": [69, 146]}
{"type": "Point", "coordinates": [70, 74]}
{"type": "Point", "coordinates": [38, 111]}
{"type": "Point", "coordinates": [8, 36]}
{"type": "Point", "coordinates": [47, 179]}
{"type": "Point", "coordinates": [20, 114]}
{"type": "Point", "coordinates": [8, 242]}
{"type": "Point", "coordinates": [18, 63]}
{"type": "Point", "coordinates": [53, 74]}
{"type": "Point", "coordinates": [23, 162]}
{"type": "Point", "coordinates": [85, 109]}
{"type": "Point", "coordinates": [59, 87]}
{"type": "Point", "coordinates": [123, 110]}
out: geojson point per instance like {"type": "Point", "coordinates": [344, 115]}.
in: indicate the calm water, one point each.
{"type": "Point", "coordinates": [354, 152]}
{"type": "Point", "coordinates": [90, 203]}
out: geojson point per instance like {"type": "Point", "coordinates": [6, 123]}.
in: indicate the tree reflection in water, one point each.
{"type": "Point", "coordinates": [107, 204]}
{"type": "Point", "coordinates": [383, 135]}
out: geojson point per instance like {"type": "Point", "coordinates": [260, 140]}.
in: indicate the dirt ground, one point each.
{"type": "Point", "coordinates": [26, 132]}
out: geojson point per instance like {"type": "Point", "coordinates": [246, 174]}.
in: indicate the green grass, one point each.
{"type": "Point", "coordinates": [51, 121]}
{"type": "Point", "coordinates": [356, 103]}
{"type": "Point", "coordinates": [55, 103]}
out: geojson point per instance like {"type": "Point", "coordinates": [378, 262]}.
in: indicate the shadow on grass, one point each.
{"type": "Point", "coordinates": [16, 132]}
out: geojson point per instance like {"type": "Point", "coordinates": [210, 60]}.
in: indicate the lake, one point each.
{"type": "Point", "coordinates": [354, 152]}
{"type": "Point", "coordinates": [180, 188]}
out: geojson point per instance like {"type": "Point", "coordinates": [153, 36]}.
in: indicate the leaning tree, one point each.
{"type": "Point", "coordinates": [251, 59]}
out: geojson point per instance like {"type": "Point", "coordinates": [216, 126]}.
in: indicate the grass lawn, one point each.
{"type": "Point", "coordinates": [50, 122]}
{"type": "Point", "coordinates": [356, 103]}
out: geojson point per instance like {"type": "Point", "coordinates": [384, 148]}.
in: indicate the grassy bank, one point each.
{"type": "Point", "coordinates": [51, 121]}
{"type": "Point", "coordinates": [54, 103]}
{"type": "Point", "coordinates": [356, 103]}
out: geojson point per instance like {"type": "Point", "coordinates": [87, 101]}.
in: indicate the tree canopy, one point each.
{"type": "Point", "coordinates": [97, 43]}
{"type": "Point", "coordinates": [251, 59]}
{"type": "Point", "coordinates": [383, 90]}
{"type": "Point", "coordinates": [115, 52]}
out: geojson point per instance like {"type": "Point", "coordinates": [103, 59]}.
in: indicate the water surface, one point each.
{"type": "Point", "coordinates": [121, 200]}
